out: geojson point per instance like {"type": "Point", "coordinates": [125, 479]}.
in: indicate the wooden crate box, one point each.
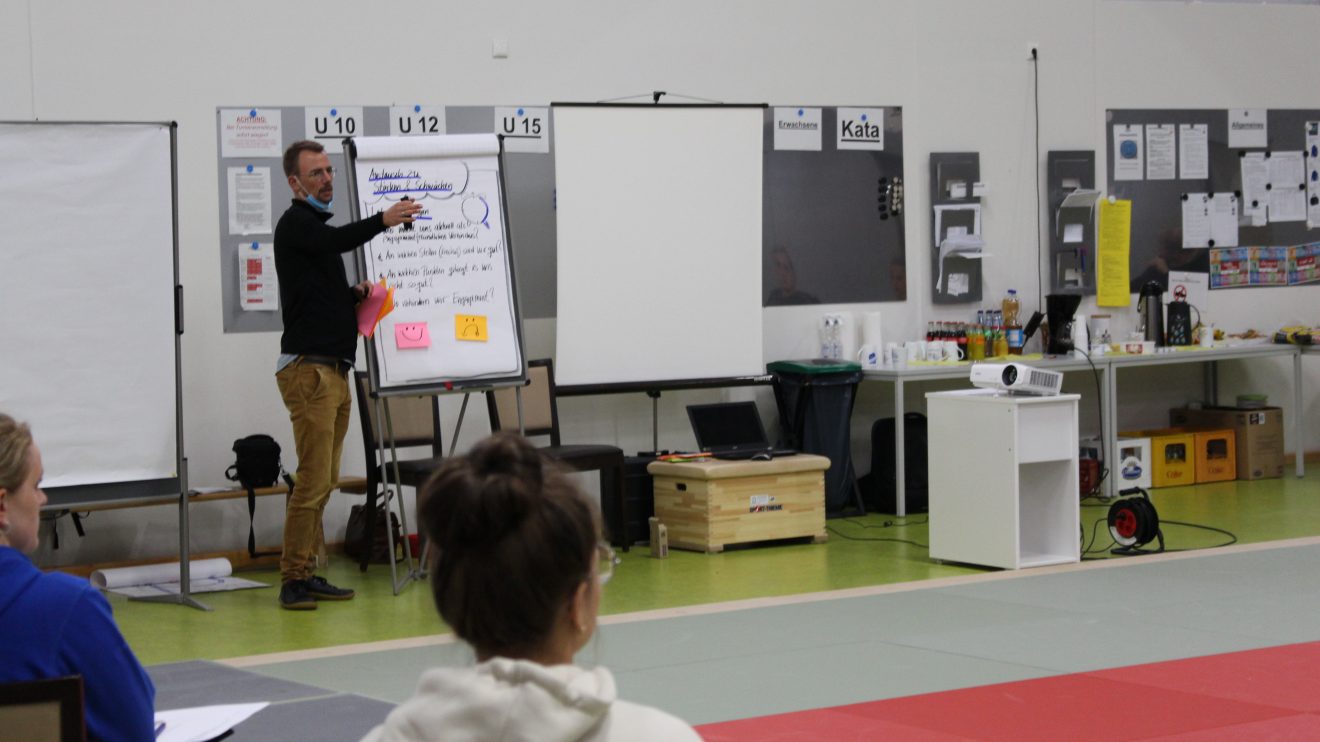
{"type": "Point", "coordinates": [707, 505]}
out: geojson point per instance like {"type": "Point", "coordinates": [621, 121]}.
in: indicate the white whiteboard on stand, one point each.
{"type": "Point", "coordinates": [659, 242]}
{"type": "Point", "coordinates": [452, 273]}
{"type": "Point", "coordinates": [87, 310]}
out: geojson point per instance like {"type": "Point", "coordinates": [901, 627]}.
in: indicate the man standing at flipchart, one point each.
{"type": "Point", "coordinates": [317, 352]}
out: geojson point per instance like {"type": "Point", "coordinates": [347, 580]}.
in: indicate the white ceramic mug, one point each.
{"type": "Point", "coordinates": [935, 350]}
{"type": "Point", "coordinates": [1207, 336]}
{"type": "Point", "coordinates": [953, 351]}
{"type": "Point", "coordinates": [868, 356]}
{"type": "Point", "coordinates": [915, 350]}
{"type": "Point", "coordinates": [893, 354]}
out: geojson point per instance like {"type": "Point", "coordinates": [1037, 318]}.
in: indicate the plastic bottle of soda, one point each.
{"type": "Point", "coordinates": [1012, 328]}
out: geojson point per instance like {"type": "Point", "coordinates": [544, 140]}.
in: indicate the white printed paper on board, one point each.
{"type": "Point", "coordinates": [861, 128]}
{"type": "Point", "coordinates": [1128, 161]}
{"type": "Point", "coordinates": [249, 200]}
{"type": "Point", "coordinates": [1247, 128]}
{"type": "Point", "coordinates": [524, 128]}
{"type": "Point", "coordinates": [1312, 174]}
{"type": "Point", "coordinates": [1161, 152]}
{"type": "Point", "coordinates": [1287, 191]}
{"type": "Point", "coordinates": [416, 120]}
{"type": "Point", "coordinates": [1193, 151]}
{"type": "Point", "coordinates": [1224, 220]}
{"type": "Point", "coordinates": [251, 132]}
{"type": "Point", "coordinates": [797, 128]}
{"type": "Point", "coordinates": [258, 289]}
{"type": "Point", "coordinates": [1196, 220]}
{"type": "Point", "coordinates": [330, 125]}
{"type": "Point", "coordinates": [1255, 198]}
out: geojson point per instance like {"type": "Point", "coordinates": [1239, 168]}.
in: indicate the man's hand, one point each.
{"type": "Point", "coordinates": [362, 290]}
{"type": "Point", "coordinates": [401, 212]}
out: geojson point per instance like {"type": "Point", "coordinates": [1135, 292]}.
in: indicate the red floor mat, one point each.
{"type": "Point", "coordinates": [1257, 694]}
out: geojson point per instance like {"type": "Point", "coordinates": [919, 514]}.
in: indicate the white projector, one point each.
{"type": "Point", "coordinates": [1015, 378]}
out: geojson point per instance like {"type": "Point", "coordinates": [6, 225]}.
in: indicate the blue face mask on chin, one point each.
{"type": "Point", "coordinates": [318, 203]}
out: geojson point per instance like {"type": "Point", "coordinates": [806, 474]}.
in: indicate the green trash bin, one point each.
{"type": "Point", "coordinates": [815, 399]}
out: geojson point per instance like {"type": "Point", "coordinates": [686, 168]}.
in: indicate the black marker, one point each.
{"type": "Point", "coordinates": [407, 226]}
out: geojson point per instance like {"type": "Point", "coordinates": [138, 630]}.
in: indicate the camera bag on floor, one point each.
{"type": "Point", "coordinates": [256, 464]}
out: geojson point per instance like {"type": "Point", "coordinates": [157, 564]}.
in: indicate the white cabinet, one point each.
{"type": "Point", "coordinates": [1003, 478]}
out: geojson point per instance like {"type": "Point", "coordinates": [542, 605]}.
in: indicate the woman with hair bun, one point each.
{"type": "Point", "coordinates": [516, 572]}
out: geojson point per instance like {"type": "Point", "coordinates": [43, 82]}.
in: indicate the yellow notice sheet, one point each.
{"type": "Point", "coordinates": [1111, 264]}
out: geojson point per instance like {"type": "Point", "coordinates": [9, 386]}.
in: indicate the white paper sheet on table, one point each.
{"type": "Point", "coordinates": [201, 723]}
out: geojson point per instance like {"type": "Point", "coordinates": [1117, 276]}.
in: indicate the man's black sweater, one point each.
{"type": "Point", "coordinates": [317, 301]}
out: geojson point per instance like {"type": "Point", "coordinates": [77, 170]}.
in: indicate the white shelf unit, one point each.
{"type": "Point", "coordinates": [1003, 478]}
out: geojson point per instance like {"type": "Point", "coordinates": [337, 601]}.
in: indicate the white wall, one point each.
{"type": "Point", "coordinates": [958, 67]}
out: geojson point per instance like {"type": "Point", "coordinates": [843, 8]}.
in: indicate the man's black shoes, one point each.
{"type": "Point", "coordinates": [294, 596]}
{"type": "Point", "coordinates": [318, 588]}
{"type": "Point", "coordinates": [301, 595]}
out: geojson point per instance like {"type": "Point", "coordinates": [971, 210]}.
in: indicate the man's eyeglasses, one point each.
{"type": "Point", "coordinates": [322, 172]}
{"type": "Point", "coordinates": [606, 560]}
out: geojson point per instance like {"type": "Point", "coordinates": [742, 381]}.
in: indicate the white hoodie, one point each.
{"type": "Point", "coordinates": [519, 701]}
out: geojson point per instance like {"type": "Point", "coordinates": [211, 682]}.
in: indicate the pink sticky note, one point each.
{"type": "Point", "coordinates": [412, 335]}
{"type": "Point", "coordinates": [368, 311]}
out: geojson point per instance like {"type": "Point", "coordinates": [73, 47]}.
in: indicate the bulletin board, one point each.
{"type": "Point", "coordinates": [822, 208]}
{"type": "Point", "coordinates": [530, 191]}
{"type": "Point", "coordinates": [831, 234]}
{"type": "Point", "coordinates": [1157, 216]}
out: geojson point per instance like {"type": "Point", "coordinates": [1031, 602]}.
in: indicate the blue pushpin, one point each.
{"type": "Point", "coordinates": [334, 112]}
{"type": "Point", "coordinates": [249, 168]}
{"type": "Point", "coordinates": [255, 246]}
{"type": "Point", "coordinates": [800, 112]}
{"type": "Point", "coordinates": [520, 111]}
{"type": "Point", "coordinates": [253, 113]}
{"type": "Point", "coordinates": [863, 117]}
{"type": "Point", "coordinates": [417, 109]}
{"type": "Point", "coordinates": [1128, 150]}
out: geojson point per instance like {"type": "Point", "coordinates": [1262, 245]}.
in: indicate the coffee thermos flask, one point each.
{"type": "Point", "coordinates": [1151, 306]}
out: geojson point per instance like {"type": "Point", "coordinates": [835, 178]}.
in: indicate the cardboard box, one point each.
{"type": "Point", "coordinates": [1172, 455]}
{"type": "Point", "coordinates": [1258, 436]}
{"type": "Point", "coordinates": [1216, 457]}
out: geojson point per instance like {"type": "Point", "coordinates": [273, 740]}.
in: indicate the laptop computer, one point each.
{"type": "Point", "coordinates": [732, 430]}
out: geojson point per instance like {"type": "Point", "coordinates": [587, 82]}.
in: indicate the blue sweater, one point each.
{"type": "Point", "coordinates": [56, 624]}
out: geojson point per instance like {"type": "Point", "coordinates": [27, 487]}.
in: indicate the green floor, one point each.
{"type": "Point", "coordinates": [861, 552]}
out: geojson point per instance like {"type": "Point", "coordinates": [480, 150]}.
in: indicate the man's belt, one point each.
{"type": "Point", "coordinates": [338, 364]}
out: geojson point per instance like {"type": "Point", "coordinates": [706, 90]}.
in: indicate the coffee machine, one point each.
{"type": "Point", "coordinates": [1151, 307]}
{"type": "Point", "coordinates": [1060, 311]}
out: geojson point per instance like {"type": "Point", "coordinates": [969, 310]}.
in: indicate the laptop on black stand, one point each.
{"type": "Point", "coordinates": [732, 430]}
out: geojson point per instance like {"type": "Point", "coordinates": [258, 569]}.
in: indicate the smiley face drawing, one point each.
{"type": "Point", "coordinates": [412, 335]}
{"type": "Point", "coordinates": [470, 327]}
